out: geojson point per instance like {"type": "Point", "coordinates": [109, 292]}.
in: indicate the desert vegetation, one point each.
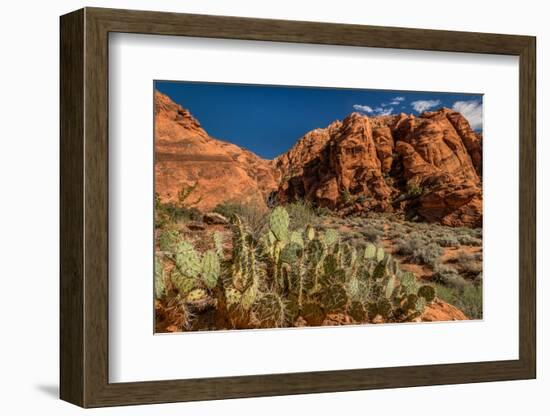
{"type": "Point", "coordinates": [242, 266]}
{"type": "Point", "coordinates": [369, 219]}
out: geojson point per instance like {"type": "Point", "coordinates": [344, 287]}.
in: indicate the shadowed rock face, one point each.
{"type": "Point", "coordinates": [427, 166]}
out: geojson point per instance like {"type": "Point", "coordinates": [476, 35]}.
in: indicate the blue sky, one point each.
{"type": "Point", "coordinates": [268, 120]}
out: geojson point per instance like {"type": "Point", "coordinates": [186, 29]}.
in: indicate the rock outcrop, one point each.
{"type": "Point", "coordinates": [426, 166]}
{"type": "Point", "coordinates": [186, 155]}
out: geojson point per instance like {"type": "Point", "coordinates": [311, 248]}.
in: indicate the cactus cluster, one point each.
{"type": "Point", "coordinates": [193, 276]}
{"type": "Point", "coordinates": [287, 274]}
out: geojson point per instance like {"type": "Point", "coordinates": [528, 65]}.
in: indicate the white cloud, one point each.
{"type": "Point", "coordinates": [383, 111]}
{"type": "Point", "coordinates": [397, 100]}
{"type": "Point", "coordinates": [423, 105]}
{"type": "Point", "coordinates": [363, 108]}
{"type": "Point", "coordinates": [472, 111]}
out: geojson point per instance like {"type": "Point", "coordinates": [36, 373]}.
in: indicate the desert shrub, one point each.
{"type": "Point", "coordinates": [418, 249]}
{"type": "Point", "coordinates": [469, 299]}
{"type": "Point", "coordinates": [323, 211]}
{"type": "Point", "coordinates": [346, 197]}
{"type": "Point", "coordinates": [301, 214]}
{"type": "Point", "coordinates": [469, 264]}
{"type": "Point", "coordinates": [414, 189]}
{"type": "Point", "coordinates": [446, 240]}
{"type": "Point", "coordinates": [253, 215]}
{"type": "Point", "coordinates": [428, 254]}
{"type": "Point", "coordinates": [372, 233]}
{"type": "Point", "coordinates": [448, 276]}
{"type": "Point", "coordinates": [468, 240]}
{"type": "Point", "coordinates": [178, 213]}
{"type": "Point", "coordinates": [169, 213]}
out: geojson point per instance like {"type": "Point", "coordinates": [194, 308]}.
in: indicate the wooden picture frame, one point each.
{"type": "Point", "coordinates": [84, 207]}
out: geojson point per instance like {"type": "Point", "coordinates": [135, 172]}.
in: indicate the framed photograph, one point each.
{"type": "Point", "coordinates": [256, 207]}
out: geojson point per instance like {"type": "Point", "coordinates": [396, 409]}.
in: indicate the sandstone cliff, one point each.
{"type": "Point", "coordinates": [426, 166]}
{"type": "Point", "coordinates": [186, 155]}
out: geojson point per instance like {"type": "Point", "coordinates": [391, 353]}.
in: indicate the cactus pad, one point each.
{"type": "Point", "coordinates": [278, 223]}
{"type": "Point", "coordinates": [181, 282]}
{"type": "Point", "coordinates": [331, 237]}
{"type": "Point", "coordinates": [334, 298]}
{"type": "Point", "coordinates": [427, 292]}
{"type": "Point", "coordinates": [232, 296]}
{"type": "Point", "coordinates": [210, 269]}
{"type": "Point", "coordinates": [270, 310]}
{"type": "Point", "coordinates": [187, 260]}
{"type": "Point", "coordinates": [370, 251]}
{"type": "Point", "coordinates": [357, 311]}
{"type": "Point", "coordinates": [160, 284]}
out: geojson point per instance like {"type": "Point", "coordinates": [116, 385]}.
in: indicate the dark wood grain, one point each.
{"type": "Point", "coordinates": [71, 100]}
{"type": "Point", "coordinates": [84, 207]}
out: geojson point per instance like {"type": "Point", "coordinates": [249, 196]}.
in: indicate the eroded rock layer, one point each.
{"type": "Point", "coordinates": [427, 167]}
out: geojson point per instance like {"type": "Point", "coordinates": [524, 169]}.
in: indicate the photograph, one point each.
{"type": "Point", "coordinates": [291, 206]}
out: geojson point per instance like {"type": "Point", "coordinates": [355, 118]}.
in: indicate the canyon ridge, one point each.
{"type": "Point", "coordinates": [426, 167]}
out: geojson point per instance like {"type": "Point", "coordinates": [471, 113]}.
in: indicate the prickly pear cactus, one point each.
{"type": "Point", "coordinates": [331, 237]}
{"type": "Point", "coordinates": [390, 286]}
{"type": "Point", "coordinates": [296, 238]}
{"type": "Point", "coordinates": [380, 254]}
{"type": "Point", "coordinates": [168, 240]}
{"type": "Point", "coordinates": [249, 297]}
{"type": "Point", "coordinates": [160, 283]}
{"type": "Point", "coordinates": [232, 296]}
{"type": "Point", "coordinates": [384, 308]}
{"type": "Point", "coordinates": [270, 311]}
{"type": "Point", "coordinates": [210, 269]}
{"type": "Point", "coordinates": [197, 298]}
{"type": "Point", "coordinates": [218, 244]}
{"type": "Point", "coordinates": [427, 292]}
{"type": "Point", "coordinates": [357, 311]}
{"type": "Point", "coordinates": [330, 265]}
{"type": "Point", "coordinates": [315, 251]}
{"type": "Point", "coordinates": [420, 305]}
{"type": "Point", "coordinates": [279, 222]}
{"type": "Point", "coordinates": [379, 271]}
{"type": "Point", "coordinates": [310, 233]}
{"type": "Point", "coordinates": [183, 283]}
{"type": "Point", "coordinates": [187, 259]}
{"type": "Point", "coordinates": [409, 284]}
{"type": "Point", "coordinates": [370, 251]}
{"type": "Point", "coordinates": [334, 298]}
{"type": "Point", "coordinates": [291, 252]}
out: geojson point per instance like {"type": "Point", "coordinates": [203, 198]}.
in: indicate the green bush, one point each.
{"type": "Point", "coordinates": [469, 264]}
{"type": "Point", "coordinates": [372, 233]}
{"type": "Point", "coordinates": [448, 276]}
{"type": "Point", "coordinates": [414, 189]}
{"type": "Point", "coordinates": [419, 250]}
{"type": "Point", "coordinates": [254, 216]}
{"type": "Point", "coordinates": [301, 215]}
{"type": "Point", "coordinates": [446, 240]}
{"type": "Point", "coordinates": [469, 299]}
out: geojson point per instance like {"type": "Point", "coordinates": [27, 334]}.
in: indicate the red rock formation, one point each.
{"type": "Point", "coordinates": [186, 155]}
{"type": "Point", "coordinates": [442, 311]}
{"type": "Point", "coordinates": [427, 166]}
